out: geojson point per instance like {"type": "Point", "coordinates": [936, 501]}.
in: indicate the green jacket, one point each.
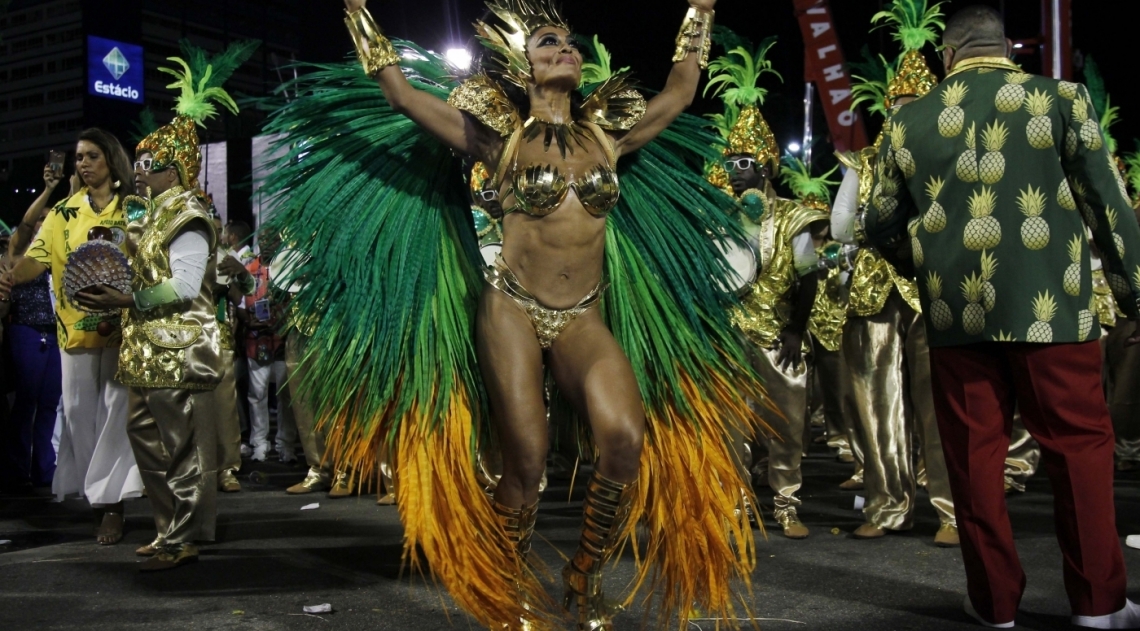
{"type": "Point", "coordinates": [991, 180]}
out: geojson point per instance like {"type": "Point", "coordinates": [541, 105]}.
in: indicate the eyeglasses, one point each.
{"type": "Point", "coordinates": [145, 164]}
{"type": "Point", "coordinates": [489, 195]}
{"type": "Point", "coordinates": [740, 164]}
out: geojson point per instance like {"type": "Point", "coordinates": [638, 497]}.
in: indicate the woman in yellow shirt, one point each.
{"type": "Point", "coordinates": [95, 458]}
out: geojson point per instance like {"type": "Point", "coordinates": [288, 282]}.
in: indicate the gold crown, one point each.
{"type": "Point", "coordinates": [520, 18]}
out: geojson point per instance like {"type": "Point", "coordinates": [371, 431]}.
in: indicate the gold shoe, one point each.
{"type": "Point", "coordinates": [151, 548]}
{"type": "Point", "coordinates": [786, 516]}
{"type": "Point", "coordinates": [315, 480]}
{"type": "Point", "coordinates": [852, 484]}
{"type": "Point", "coordinates": [228, 482]}
{"type": "Point", "coordinates": [869, 531]}
{"type": "Point", "coordinates": [341, 486]}
{"type": "Point", "coordinates": [606, 511]}
{"type": "Point", "coordinates": [947, 536]}
{"type": "Point", "coordinates": [386, 499]}
{"type": "Point", "coordinates": [169, 557]}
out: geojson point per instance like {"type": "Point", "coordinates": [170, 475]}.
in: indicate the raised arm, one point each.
{"type": "Point", "coordinates": [450, 125]}
{"type": "Point", "coordinates": [681, 87]}
{"type": "Point", "coordinates": [22, 235]}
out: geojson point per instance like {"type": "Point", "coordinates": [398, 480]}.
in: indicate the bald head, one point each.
{"type": "Point", "coordinates": [975, 31]}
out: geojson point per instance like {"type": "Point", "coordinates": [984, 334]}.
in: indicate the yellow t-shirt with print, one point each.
{"type": "Point", "coordinates": [64, 230]}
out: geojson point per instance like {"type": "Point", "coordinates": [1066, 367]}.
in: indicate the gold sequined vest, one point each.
{"type": "Point", "coordinates": [176, 345]}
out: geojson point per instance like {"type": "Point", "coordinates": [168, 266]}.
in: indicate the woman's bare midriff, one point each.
{"type": "Point", "coordinates": [559, 257]}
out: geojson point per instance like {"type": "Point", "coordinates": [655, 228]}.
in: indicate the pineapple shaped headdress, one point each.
{"type": "Point", "coordinates": [813, 192]}
{"type": "Point", "coordinates": [735, 77]}
{"type": "Point", "coordinates": [915, 25]}
{"type": "Point", "coordinates": [507, 41]}
{"type": "Point", "coordinates": [199, 82]}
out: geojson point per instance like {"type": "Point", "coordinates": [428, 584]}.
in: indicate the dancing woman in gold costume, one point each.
{"type": "Point", "coordinates": [604, 289]}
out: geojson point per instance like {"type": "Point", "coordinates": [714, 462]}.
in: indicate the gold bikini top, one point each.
{"type": "Point", "coordinates": [540, 189]}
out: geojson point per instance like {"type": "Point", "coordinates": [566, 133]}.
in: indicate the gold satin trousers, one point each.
{"type": "Point", "coordinates": [838, 400]}
{"type": "Point", "coordinates": [229, 421]}
{"type": "Point", "coordinates": [173, 434]}
{"type": "Point", "coordinates": [1122, 385]}
{"type": "Point", "coordinates": [889, 363]}
{"type": "Point", "coordinates": [789, 391]}
{"type": "Point", "coordinates": [1023, 457]}
{"type": "Point", "coordinates": [312, 439]}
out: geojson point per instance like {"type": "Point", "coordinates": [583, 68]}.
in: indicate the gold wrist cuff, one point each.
{"type": "Point", "coordinates": [860, 228]}
{"type": "Point", "coordinates": [372, 48]}
{"type": "Point", "coordinates": [695, 36]}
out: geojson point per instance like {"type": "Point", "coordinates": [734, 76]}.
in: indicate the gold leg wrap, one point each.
{"type": "Point", "coordinates": [518, 524]}
{"type": "Point", "coordinates": [606, 511]}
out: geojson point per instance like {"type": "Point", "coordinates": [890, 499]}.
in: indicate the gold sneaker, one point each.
{"type": "Point", "coordinates": [947, 536]}
{"type": "Point", "coordinates": [228, 482]}
{"type": "Point", "coordinates": [151, 548]}
{"type": "Point", "coordinates": [169, 557]}
{"type": "Point", "coordinates": [341, 486]}
{"type": "Point", "coordinates": [316, 480]}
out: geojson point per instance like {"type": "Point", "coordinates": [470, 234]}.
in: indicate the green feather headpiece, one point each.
{"type": "Point", "coordinates": [1101, 102]}
{"type": "Point", "coordinates": [870, 79]}
{"type": "Point", "coordinates": [199, 83]}
{"type": "Point", "coordinates": [915, 24]}
{"type": "Point", "coordinates": [1132, 170]}
{"type": "Point", "coordinates": [735, 79]}
{"type": "Point", "coordinates": [814, 192]}
{"type": "Point", "coordinates": [598, 70]}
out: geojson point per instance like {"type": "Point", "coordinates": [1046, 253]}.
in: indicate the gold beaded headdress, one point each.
{"type": "Point", "coordinates": [915, 26]}
{"type": "Point", "coordinates": [199, 82]}
{"type": "Point", "coordinates": [734, 77]}
{"type": "Point", "coordinates": [520, 19]}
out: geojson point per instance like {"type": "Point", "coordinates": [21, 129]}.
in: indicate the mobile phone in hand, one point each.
{"type": "Point", "coordinates": [56, 159]}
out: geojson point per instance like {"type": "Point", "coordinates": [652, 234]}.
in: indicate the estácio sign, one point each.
{"type": "Point", "coordinates": [114, 69]}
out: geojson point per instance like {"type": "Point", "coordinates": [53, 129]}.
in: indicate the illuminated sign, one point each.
{"type": "Point", "coordinates": [114, 69]}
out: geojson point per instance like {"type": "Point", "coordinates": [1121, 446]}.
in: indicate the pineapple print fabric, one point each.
{"type": "Point", "coordinates": [992, 180]}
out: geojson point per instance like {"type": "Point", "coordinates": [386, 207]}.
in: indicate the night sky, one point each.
{"type": "Point", "coordinates": [640, 34]}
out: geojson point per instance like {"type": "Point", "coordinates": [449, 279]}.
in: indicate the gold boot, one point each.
{"type": "Point", "coordinates": [606, 511]}
{"type": "Point", "coordinates": [519, 526]}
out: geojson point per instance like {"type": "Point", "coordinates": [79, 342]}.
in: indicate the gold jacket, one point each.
{"type": "Point", "coordinates": [766, 309]}
{"type": "Point", "coordinates": [873, 278]}
{"type": "Point", "coordinates": [176, 345]}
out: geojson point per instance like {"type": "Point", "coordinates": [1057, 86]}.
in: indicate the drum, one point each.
{"type": "Point", "coordinates": [743, 264]}
{"type": "Point", "coordinates": [490, 252]}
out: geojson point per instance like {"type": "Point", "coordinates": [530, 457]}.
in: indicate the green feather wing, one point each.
{"type": "Point", "coordinates": [379, 208]}
{"type": "Point", "coordinates": [664, 306]}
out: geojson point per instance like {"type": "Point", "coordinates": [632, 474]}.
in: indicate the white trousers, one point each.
{"type": "Point", "coordinates": [259, 377]}
{"type": "Point", "coordinates": [95, 458]}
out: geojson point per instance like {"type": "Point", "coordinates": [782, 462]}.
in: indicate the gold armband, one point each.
{"type": "Point", "coordinates": [372, 48]}
{"type": "Point", "coordinates": [695, 36]}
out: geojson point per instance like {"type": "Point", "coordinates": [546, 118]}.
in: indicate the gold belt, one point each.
{"type": "Point", "coordinates": [548, 323]}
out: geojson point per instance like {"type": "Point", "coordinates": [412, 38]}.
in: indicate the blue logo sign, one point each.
{"type": "Point", "coordinates": [114, 69]}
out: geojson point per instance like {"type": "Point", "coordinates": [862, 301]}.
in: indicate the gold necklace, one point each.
{"type": "Point", "coordinates": [562, 133]}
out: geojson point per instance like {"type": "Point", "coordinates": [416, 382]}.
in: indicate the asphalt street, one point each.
{"type": "Point", "coordinates": [272, 559]}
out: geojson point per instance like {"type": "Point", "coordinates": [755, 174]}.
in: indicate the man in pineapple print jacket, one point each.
{"type": "Point", "coordinates": [1024, 170]}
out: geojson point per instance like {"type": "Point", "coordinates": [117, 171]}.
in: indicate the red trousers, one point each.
{"type": "Point", "coordinates": [1057, 387]}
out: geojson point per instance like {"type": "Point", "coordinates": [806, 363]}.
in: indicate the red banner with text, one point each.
{"type": "Point", "coordinates": [825, 66]}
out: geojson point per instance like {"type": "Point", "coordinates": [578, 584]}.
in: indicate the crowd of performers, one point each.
{"type": "Point", "coordinates": [471, 268]}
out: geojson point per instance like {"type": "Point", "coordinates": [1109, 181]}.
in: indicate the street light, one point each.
{"type": "Point", "coordinates": [794, 147]}
{"type": "Point", "coordinates": [458, 57]}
